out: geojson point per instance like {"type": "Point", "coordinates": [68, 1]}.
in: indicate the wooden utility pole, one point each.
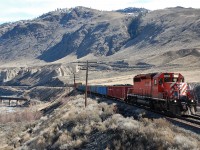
{"type": "Point", "coordinates": [86, 84]}
{"type": "Point", "coordinates": [86, 65]}
{"type": "Point", "coordinates": [74, 81]}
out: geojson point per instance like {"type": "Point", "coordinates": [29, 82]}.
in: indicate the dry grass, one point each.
{"type": "Point", "coordinates": [72, 126]}
{"type": "Point", "coordinates": [12, 124]}
{"type": "Point", "coordinates": [157, 134]}
{"type": "Point", "coordinates": [26, 115]}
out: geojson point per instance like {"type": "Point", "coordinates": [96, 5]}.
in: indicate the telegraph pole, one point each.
{"type": "Point", "coordinates": [86, 65]}
{"type": "Point", "coordinates": [74, 81]}
{"type": "Point", "coordinates": [86, 83]}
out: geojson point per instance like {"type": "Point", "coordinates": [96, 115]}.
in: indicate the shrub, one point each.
{"type": "Point", "coordinates": [72, 126]}
{"type": "Point", "coordinates": [20, 116]}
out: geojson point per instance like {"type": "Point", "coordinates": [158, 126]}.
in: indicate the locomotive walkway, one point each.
{"type": "Point", "coordinates": [17, 100]}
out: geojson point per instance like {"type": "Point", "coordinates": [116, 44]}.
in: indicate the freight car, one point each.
{"type": "Point", "coordinates": [114, 91]}
{"type": "Point", "coordinates": [160, 91]}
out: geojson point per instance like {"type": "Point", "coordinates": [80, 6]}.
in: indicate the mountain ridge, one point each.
{"type": "Point", "coordinates": [84, 33]}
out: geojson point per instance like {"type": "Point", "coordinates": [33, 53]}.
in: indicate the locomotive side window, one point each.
{"type": "Point", "coordinates": [175, 79]}
{"type": "Point", "coordinates": [180, 80]}
{"type": "Point", "coordinates": [155, 82]}
{"type": "Point", "coordinates": [137, 80]}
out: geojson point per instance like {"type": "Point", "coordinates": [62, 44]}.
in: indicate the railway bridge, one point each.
{"type": "Point", "coordinates": [18, 100]}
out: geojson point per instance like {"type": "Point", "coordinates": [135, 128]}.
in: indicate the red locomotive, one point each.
{"type": "Point", "coordinates": [164, 92]}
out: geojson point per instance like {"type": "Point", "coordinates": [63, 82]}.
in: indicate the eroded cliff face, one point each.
{"type": "Point", "coordinates": [50, 75]}
{"type": "Point", "coordinates": [42, 83]}
{"type": "Point", "coordinates": [8, 74]}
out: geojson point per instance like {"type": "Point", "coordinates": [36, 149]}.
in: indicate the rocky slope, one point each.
{"type": "Point", "coordinates": [167, 37]}
{"type": "Point", "coordinates": [52, 36]}
{"type": "Point", "coordinates": [164, 38]}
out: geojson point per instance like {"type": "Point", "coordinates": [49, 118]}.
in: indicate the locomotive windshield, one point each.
{"type": "Point", "coordinates": [178, 80]}
{"type": "Point", "coordinates": [173, 78]}
{"type": "Point", "coordinates": [167, 79]}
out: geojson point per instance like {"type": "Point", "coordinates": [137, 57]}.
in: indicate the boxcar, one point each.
{"type": "Point", "coordinates": [119, 92]}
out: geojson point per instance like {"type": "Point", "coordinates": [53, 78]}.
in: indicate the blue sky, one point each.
{"type": "Point", "coordinates": [13, 10]}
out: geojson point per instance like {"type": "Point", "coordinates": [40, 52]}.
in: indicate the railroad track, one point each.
{"type": "Point", "coordinates": [191, 119]}
{"type": "Point", "coordinates": [186, 124]}
{"type": "Point", "coordinates": [197, 117]}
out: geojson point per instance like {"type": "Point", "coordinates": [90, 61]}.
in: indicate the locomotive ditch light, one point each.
{"type": "Point", "coordinates": [174, 101]}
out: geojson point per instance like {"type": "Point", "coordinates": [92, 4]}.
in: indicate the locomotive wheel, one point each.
{"type": "Point", "coordinates": [152, 105]}
{"type": "Point", "coordinates": [127, 99]}
{"type": "Point", "coordinates": [174, 109]}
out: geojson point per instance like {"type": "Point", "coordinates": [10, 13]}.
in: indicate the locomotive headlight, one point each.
{"type": "Point", "coordinates": [174, 101]}
{"type": "Point", "coordinates": [192, 101]}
